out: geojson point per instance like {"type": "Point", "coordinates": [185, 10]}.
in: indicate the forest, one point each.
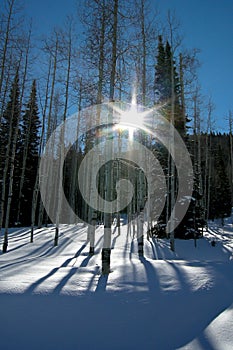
{"type": "Point", "coordinates": [103, 52]}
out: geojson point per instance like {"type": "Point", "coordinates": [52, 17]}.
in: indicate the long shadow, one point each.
{"type": "Point", "coordinates": [41, 280]}
{"type": "Point", "coordinates": [66, 263]}
{"type": "Point", "coordinates": [26, 258]}
{"type": "Point", "coordinates": [102, 283]}
{"type": "Point", "coordinates": [152, 278]}
{"type": "Point", "coordinates": [53, 271]}
{"type": "Point", "coordinates": [30, 258]}
{"type": "Point", "coordinates": [85, 261]}
{"type": "Point", "coordinates": [180, 276]}
{"type": "Point", "coordinates": [16, 248]}
{"type": "Point", "coordinates": [114, 240]}
{"type": "Point", "coordinates": [97, 272]}
{"type": "Point", "coordinates": [154, 250]}
{"type": "Point", "coordinates": [64, 280]}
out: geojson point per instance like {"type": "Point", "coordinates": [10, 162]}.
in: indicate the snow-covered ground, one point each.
{"type": "Point", "coordinates": [56, 298]}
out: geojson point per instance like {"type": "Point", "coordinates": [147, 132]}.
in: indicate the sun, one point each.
{"type": "Point", "coordinates": [131, 119]}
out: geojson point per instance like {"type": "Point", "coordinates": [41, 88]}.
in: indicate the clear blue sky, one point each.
{"type": "Point", "coordinates": [206, 25]}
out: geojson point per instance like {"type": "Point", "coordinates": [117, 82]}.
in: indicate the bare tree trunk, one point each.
{"type": "Point", "coordinates": [181, 68]}
{"type": "Point", "coordinates": [26, 143]}
{"type": "Point", "coordinates": [172, 146]}
{"type": "Point", "coordinates": [144, 53]}
{"type": "Point", "coordinates": [36, 186]}
{"type": "Point", "coordinates": [11, 134]}
{"type": "Point", "coordinates": [101, 56]}
{"type": "Point", "coordinates": [197, 156]}
{"type": "Point", "coordinates": [51, 102]}
{"type": "Point", "coordinates": [106, 250]}
{"type": "Point", "coordinates": [114, 51]}
{"type": "Point", "coordinates": [41, 207]}
{"type": "Point", "coordinates": [59, 208]}
{"type": "Point", "coordinates": [11, 4]}
{"type": "Point", "coordinates": [12, 158]}
{"type": "Point", "coordinates": [231, 150]}
{"type": "Point", "coordinates": [208, 162]}
{"type": "Point", "coordinates": [140, 220]}
{"type": "Point", "coordinates": [4, 93]}
{"type": "Point", "coordinates": [74, 168]}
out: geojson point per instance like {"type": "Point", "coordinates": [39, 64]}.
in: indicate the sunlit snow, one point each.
{"type": "Point", "coordinates": [56, 298]}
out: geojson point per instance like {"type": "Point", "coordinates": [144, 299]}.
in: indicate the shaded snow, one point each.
{"type": "Point", "coordinates": [56, 298]}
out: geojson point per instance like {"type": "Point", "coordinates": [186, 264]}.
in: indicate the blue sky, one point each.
{"type": "Point", "coordinates": [206, 25]}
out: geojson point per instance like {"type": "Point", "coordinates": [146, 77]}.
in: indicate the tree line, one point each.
{"type": "Point", "coordinates": [112, 46]}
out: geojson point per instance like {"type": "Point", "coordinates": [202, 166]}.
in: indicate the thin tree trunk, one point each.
{"type": "Point", "coordinates": [208, 163]}
{"type": "Point", "coordinates": [143, 54]}
{"type": "Point", "coordinates": [106, 250]}
{"type": "Point", "coordinates": [6, 163]}
{"type": "Point", "coordinates": [172, 149]}
{"type": "Point", "coordinates": [101, 56]}
{"type": "Point", "coordinates": [74, 167]}
{"type": "Point", "coordinates": [12, 159]}
{"type": "Point", "coordinates": [26, 144]}
{"type": "Point", "coordinates": [114, 51]}
{"type": "Point", "coordinates": [231, 150]}
{"type": "Point", "coordinates": [36, 186]}
{"type": "Point", "coordinates": [62, 148]}
{"type": "Point", "coordinates": [41, 207]}
{"type": "Point", "coordinates": [49, 124]}
{"type": "Point", "coordinates": [6, 41]}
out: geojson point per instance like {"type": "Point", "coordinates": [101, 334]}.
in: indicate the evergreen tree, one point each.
{"type": "Point", "coordinates": [167, 86]}
{"type": "Point", "coordinates": [220, 190]}
{"type": "Point", "coordinates": [168, 93]}
{"type": "Point", "coordinates": [160, 73]}
{"type": "Point", "coordinates": [28, 159]}
{"type": "Point", "coordinates": [8, 128]}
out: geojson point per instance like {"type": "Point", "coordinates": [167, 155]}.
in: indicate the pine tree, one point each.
{"type": "Point", "coordinates": [29, 156]}
{"type": "Point", "coordinates": [160, 73]}
{"type": "Point", "coordinates": [170, 93]}
{"type": "Point", "coordinates": [221, 190]}
{"type": "Point", "coordinates": [9, 127]}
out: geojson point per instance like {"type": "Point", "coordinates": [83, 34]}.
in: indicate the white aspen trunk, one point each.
{"type": "Point", "coordinates": [60, 178]}
{"type": "Point", "coordinates": [208, 162]}
{"type": "Point", "coordinates": [101, 55]}
{"type": "Point", "coordinates": [41, 207]}
{"type": "Point", "coordinates": [118, 176]}
{"type": "Point", "coordinates": [114, 50]}
{"type": "Point", "coordinates": [26, 144]}
{"type": "Point", "coordinates": [143, 54]}
{"type": "Point", "coordinates": [106, 251]}
{"type": "Point", "coordinates": [74, 168]}
{"type": "Point", "coordinates": [197, 154]}
{"type": "Point", "coordinates": [63, 132]}
{"type": "Point", "coordinates": [172, 149]}
{"type": "Point", "coordinates": [7, 165]}
{"type": "Point", "coordinates": [5, 170]}
{"type": "Point", "coordinates": [34, 204]}
{"type": "Point", "coordinates": [6, 41]}
{"type": "Point", "coordinates": [49, 123]}
{"type": "Point", "coordinates": [199, 169]}
{"type": "Point", "coordinates": [181, 77]}
{"type": "Point", "coordinates": [12, 160]}
{"type": "Point", "coordinates": [231, 150]}
{"type": "Point", "coordinates": [140, 214]}
{"type": "Point", "coordinates": [92, 213]}
{"type": "Point", "coordinates": [3, 94]}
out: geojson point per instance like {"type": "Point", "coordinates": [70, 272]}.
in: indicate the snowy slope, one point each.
{"type": "Point", "coordinates": [56, 298]}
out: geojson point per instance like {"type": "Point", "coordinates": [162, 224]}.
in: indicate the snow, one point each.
{"type": "Point", "coordinates": [57, 298]}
